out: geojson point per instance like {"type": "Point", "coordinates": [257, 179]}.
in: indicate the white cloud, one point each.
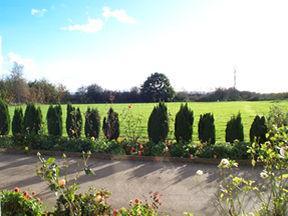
{"type": "Point", "coordinates": [38, 12]}
{"type": "Point", "coordinates": [92, 26]}
{"type": "Point", "coordinates": [118, 14]}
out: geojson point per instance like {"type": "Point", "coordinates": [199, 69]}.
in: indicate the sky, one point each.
{"type": "Point", "coordinates": [117, 44]}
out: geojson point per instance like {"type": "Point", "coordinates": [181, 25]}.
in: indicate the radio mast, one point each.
{"type": "Point", "coordinates": [235, 78]}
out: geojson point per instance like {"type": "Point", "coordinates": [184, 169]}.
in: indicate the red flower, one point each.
{"type": "Point", "coordinates": [25, 193]}
{"type": "Point", "coordinates": [136, 201]}
{"type": "Point", "coordinates": [115, 212]}
{"type": "Point", "coordinates": [16, 189]}
{"type": "Point", "coordinates": [133, 149]}
{"type": "Point", "coordinates": [140, 153]}
{"type": "Point", "coordinates": [140, 146]}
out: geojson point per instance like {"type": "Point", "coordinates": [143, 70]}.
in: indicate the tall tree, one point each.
{"type": "Point", "coordinates": [157, 88]}
{"type": "Point", "coordinates": [4, 118]}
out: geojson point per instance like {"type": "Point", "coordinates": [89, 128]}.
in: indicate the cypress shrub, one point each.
{"type": "Point", "coordinates": [32, 120]}
{"type": "Point", "coordinates": [234, 129]}
{"type": "Point", "coordinates": [4, 118]}
{"type": "Point", "coordinates": [206, 128]}
{"type": "Point", "coordinates": [54, 120]}
{"type": "Point", "coordinates": [17, 123]}
{"type": "Point", "coordinates": [111, 126]}
{"type": "Point", "coordinates": [158, 124]}
{"type": "Point", "coordinates": [92, 123]}
{"type": "Point", "coordinates": [73, 122]}
{"type": "Point", "coordinates": [184, 124]}
{"type": "Point", "coordinates": [258, 130]}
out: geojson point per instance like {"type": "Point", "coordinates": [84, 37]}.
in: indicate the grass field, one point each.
{"type": "Point", "coordinates": [222, 112]}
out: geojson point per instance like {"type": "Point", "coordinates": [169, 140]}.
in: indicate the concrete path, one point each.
{"type": "Point", "coordinates": [181, 189]}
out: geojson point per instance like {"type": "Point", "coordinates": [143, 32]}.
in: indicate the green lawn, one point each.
{"type": "Point", "coordinates": [222, 112]}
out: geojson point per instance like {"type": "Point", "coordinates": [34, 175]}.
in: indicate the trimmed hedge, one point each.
{"type": "Point", "coordinates": [158, 124]}
{"type": "Point", "coordinates": [206, 128]}
{"type": "Point", "coordinates": [4, 118]}
{"type": "Point", "coordinates": [258, 130]}
{"type": "Point", "coordinates": [184, 124]}
{"type": "Point", "coordinates": [111, 127]}
{"type": "Point", "coordinates": [234, 129]}
{"type": "Point", "coordinates": [73, 122]}
{"type": "Point", "coordinates": [92, 123]}
{"type": "Point", "coordinates": [32, 120]}
{"type": "Point", "coordinates": [54, 120]}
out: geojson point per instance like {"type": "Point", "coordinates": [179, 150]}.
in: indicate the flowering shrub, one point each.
{"type": "Point", "coordinates": [271, 197]}
{"type": "Point", "coordinates": [14, 203]}
{"type": "Point", "coordinates": [139, 207]}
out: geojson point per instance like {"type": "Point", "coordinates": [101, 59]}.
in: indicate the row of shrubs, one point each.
{"type": "Point", "coordinates": [158, 124]}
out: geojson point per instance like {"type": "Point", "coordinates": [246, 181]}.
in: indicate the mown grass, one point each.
{"type": "Point", "coordinates": [222, 112]}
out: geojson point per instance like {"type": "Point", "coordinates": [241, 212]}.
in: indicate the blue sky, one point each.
{"type": "Point", "coordinates": [117, 44]}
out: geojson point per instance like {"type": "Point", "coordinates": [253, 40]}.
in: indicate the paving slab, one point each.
{"type": "Point", "coordinates": [181, 189]}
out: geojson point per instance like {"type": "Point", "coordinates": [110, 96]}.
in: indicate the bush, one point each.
{"type": "Point", "coordinates": [73, 122]}
{"type": "Point", "coordinates": [17, 123]}
{"type": "Point", "coordinates": [92, 123]}
{"type": "Point", "coordinates": [184, 124]}
{"type": "Point", "coordinates": [158, 124]}
{"type": "Point", "coordinates": [111, 126]}
{"type": "Point", "coordinates": [234, 129]}
{"type": "Point", "coordinates": [4, 118]}
{"type": "Point", "coordinates": [258, 130]}
{"type": "Point", "coordinates": [32, 119]}
{"type": "Point", "coordinates": [14, 203]}
{"type": "Point", "coordinates": [54, 120]}
{"type": "Point", "coordinates": [277, 116]}
{"type": "Point", "coordinates": [206, 128]}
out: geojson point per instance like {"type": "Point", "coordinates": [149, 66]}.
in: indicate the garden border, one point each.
{"type": "Point", "coordinates": [208, 161]}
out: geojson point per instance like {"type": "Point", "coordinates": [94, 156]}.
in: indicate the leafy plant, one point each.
{"type": "Point", "coordinates": [184, 124]}
{"type": "Point", "coordinates": [17, 203]}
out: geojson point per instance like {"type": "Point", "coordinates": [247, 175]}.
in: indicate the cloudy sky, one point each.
{"type": "Point", "coordinates": [117, 44]}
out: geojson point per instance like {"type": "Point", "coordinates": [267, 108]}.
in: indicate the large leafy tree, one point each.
{"type": "Point", "coordinates": [157, 88]}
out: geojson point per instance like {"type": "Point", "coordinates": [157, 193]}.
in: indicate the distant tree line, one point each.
{"type": "Point", "coordinates": [15, 89]}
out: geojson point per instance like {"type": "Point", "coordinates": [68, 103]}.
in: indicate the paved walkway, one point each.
{"type": "Point", "coordinates": [181, 189]}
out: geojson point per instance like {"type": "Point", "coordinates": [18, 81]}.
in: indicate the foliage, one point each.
{"type": "Point", "coordinates": [73, 122]}
{"type": "Point", "coordinates": [184, 124]}
{"type": "Point", "coordinates": [157, 88]}
{"type": "Point", "coordinates": [272, 195]}
{"type": "Point", "coordinates": [258, 130]}
{"type": "Point", "coordinates": [54, 120]}
{"type": "Point", "coordinates": [179, 149]}
{"type": "Point", "coordinates": [17, 122]}
{"type": "Point", "coordinates": [93, 202]}
{"type": "Point", "coordinates": [277, 116]}
{"type": "Point", "coordinates": [131, 124]}
{"type": "Point", "coordinates": [92, 123]}
{"type": "Point", "coordinates": [16, 203]}
{"type": "Point", "coordinates": [206, 128]}
{"type": "Point", "coordinates": [158, 124]}
{"type": "Point", "coordinates": [4, 118]}
{"type": "Point", "coordinates": [234, 129]}
{"type": "Point", "coordinates": [111, 127]}
{"type": "Point", "coordinates": [138, 207]}
{"type": "Point", "coordinates": [32, 120]}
